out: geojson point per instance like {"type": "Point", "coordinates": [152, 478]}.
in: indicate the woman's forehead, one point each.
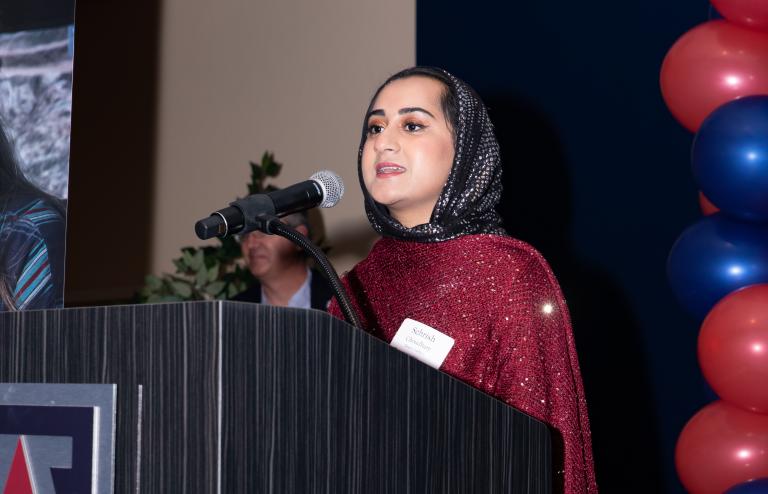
{"type": "Point", "coordinates": [414, 91]}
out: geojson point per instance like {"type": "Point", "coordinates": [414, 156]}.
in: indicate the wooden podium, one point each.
{"type": "Point", "coordinates": [226, 397]}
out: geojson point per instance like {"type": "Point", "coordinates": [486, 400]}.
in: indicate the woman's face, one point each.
{"type": "Point", "coordinates": [408, 153]}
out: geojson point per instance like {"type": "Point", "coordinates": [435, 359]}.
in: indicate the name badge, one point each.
{"type": "Point", "coordinates": [423, 342]}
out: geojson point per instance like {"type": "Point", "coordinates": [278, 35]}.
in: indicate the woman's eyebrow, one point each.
{"type": "Point", "coordinates": [409, 109]}
{"type": "Point", "coordinates": [412, 109]}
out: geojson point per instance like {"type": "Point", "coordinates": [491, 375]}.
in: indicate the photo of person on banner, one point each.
{"type": "Point", "coordinates": [36, 61]}
{"type": "Point", "coordinates": [32, 233]}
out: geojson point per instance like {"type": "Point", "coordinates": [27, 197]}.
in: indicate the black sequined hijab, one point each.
{"type": "Point", "coordinates": [467, 203]}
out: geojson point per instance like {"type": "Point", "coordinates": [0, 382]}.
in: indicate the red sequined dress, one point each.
{"type": "Point", "coordinates": [498, 298]}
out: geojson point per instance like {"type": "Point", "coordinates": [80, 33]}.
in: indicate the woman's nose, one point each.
{"type": "Point", "coordinates": [386, 140]}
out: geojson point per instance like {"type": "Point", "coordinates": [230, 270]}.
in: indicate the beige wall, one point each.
{"type": "Point", "coordinates": [294, 77]}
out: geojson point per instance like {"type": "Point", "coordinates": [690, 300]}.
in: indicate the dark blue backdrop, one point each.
{"type": "Point", "coordinates": [597, 177]}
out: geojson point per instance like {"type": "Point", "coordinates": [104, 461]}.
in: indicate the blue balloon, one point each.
{"type": "Point", "coordinates": [730, 158]}
{"type": "Point", "coordinates": [758, 486]}
{"type": "Point", "coordinates": [714, 257]}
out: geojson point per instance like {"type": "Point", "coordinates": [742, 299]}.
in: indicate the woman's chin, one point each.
{"type": "Point", "coordinates": [386, 196]}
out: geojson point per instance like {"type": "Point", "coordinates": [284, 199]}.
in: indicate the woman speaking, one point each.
{"type": "Point", "coordinates": [430, 170]}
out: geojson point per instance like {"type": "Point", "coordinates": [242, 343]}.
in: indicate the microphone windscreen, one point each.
{"type": "Point", "coordinates": [332, 185]}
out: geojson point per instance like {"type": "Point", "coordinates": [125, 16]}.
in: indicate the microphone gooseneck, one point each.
{"type": "Point", "coordinates": [276, 227]}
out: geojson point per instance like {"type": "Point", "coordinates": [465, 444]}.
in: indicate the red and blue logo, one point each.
{"type": "Point", "coordinates": [47, 449]}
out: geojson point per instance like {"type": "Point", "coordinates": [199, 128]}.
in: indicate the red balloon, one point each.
{"type": "Point", "coordinates": [710, 65]}
{"type": "Point", "coordinates": [707, 208]}
{"type": "Point", "coordinates": [733, 348]}
{"type": "Point", "coordinates": [750, 13]}
{"type": "Point", "coordinates": [721, 446]}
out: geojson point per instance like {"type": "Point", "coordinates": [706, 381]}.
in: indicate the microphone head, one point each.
{"type": "Point", "coordinates": [332, 186]}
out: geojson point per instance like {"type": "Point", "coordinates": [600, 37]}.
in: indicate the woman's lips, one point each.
{"type": "Point", "coordinates": [386, 169]}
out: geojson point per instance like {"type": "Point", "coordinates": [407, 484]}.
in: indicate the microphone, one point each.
{"type": "Point", "coordinates": [323, 189]}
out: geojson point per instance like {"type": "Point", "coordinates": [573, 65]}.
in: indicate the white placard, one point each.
{"type": "Point", "coordinates": [423, 342]}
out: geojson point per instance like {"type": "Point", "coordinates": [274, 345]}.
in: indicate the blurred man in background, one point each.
{"type": "Point", "coordinates": [280, 267]}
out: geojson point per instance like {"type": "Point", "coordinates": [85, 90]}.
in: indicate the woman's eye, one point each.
{"type": "Point", "coordinates": [413, 127]}
{"type": "Point", "coordinates": [374, 129]}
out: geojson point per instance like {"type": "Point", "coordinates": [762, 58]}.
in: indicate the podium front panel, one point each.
{"type": "Point", "coordinates": [225, 397]}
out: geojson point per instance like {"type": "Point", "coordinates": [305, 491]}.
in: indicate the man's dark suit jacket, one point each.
{"type": "Point", "coordinates": [320, 292]}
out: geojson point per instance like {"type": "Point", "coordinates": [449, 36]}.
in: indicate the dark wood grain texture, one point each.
{"type": "Point", "coordinates": [245, 398]}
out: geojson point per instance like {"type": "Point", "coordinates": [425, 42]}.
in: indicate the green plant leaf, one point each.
{"type": "Point", "coordinates": [232, 290]}
{"type": "Point", "coordinates": [215, 288]}
{"type": "Point", "coordinates": [266, 158]}
{"type": "Point", "coordinates": [257, 171]}
{"type": "Point", "coordinates": [153, 282]}
{"type": "Point", "coordinates": [213, 272]}
{"type": "Point", "coordinates": [201, 278]}
{"type": "Point", "coordinates": [197, 260]}
{"type": "Point", "coordinates": [257, 178]}
{"type": "Point", "coordinates": [181, 266]}
{"type": "Point", "coordinates": [186, 258]}
{"type": "Point", "coordinates": [181, 289]}
{"type": "Point", "coordinates": [273, 169]}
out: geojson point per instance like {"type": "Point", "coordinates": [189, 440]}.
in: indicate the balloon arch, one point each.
{"type": "Point", "coordinates": [714, 81]}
